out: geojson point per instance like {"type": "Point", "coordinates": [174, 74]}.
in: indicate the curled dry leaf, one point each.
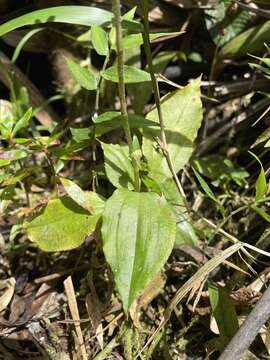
{"type": "Point", "coordinates": [7, 288]}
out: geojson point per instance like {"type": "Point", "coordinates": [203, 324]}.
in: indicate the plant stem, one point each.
{"type": "Point", "coordinates": [147, 48]}
{"type": "Point", "coordinates": [122, 91]}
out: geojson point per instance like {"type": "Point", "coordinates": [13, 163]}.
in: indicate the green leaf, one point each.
{"type": "Point", "coordinates": [133, 40]}
{"type": "Point", "coordinates": [131, 74]}
{"type": "Point", "coordinates": [138, 231]}
{"type": "Point", "coordinates": [23, 122]}
{"type": "Point", "coordinates": [205, 186]}
{"type": "Point", "coordinates": [220, 169]}
{"type": "Point", "coordinates": [182, 114]}
{"type": "Point", "coordinates": [81, 134]}
{"type": "Point", "coordinates": [224, 23]}
{"type": "Point", "coordinates": [4, 162]}
{"type": "Point", "coordinates": [263, 137]}
{"type": "Point", "coordinates": [7, 118]}
{"type": "Point", "coordinates": [185, 233]}
{"type": "Point", "coordinates": [261, 183]}
{"type": "Point", "coordinates": [249, 41]}
{"type": "Point", "coordinates": [141, 93]}
{"type": "Point", "coordinates": [262, 213]}
{"type": "Point", "coordinates": [113, 119]}
{"type": "Point", "coordinates": [60, 225]}
{"type": "Point", "coordinates": [99, 39]}
{"type": "Point", "coordinates": [223, 311]}
{"type": "Point", "coordinates": [88, 200]}
{"type": "Point", "coordinates": [118, 166]}
{"type": "Point", "coordinates": [22, 42]}
{"type": "Point", "coordinates": [83, 76]}
{"type": "Point", "coordinates": [80, 15]}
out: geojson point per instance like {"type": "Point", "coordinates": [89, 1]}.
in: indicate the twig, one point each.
{"type": "Point", "coordinates": [147, 47]}
{"type": "Point", "coordinates": [249, 329]}
{"type": "Point", "coordinates": [122, 91]}
{"type": "Point", "coordinates": [73, 307]}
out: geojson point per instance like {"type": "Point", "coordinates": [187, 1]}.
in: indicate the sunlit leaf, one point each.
{"type": "Point", "coordinates": [182, 114]}
{"type": "Point", "coordinates": [60, 225]}
{"type": "Point", "coordinates": [88, 200]}
{"type": "Point", "coordinates": [138, 231]}
{"type": "Point", "coordinates": [118, 166]}
{"type": "Point", "coordinates": [99, 39]}
{"type": "Point", "coordinates": [80, 15]}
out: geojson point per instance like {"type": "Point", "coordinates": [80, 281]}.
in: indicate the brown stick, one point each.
{"type": "Point", "coordinates": [249, 329]}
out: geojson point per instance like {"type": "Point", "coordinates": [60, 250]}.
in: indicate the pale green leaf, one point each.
{"type": "Point", "coordinates": [60, 225]}
{"type": "Point", "coordinates": [7, 118]}
{"type": "Point", "coordinates": [185, 233]}
{"type": "Point", "coordinates": [138, 231]}
{"type": "Point", "coordinates": [83, 76]}
{"type": "Point", "coordinates": [99, 39]}
{"type": "Point", "coordinates": [23, 122]}
{"type": "Point", "coordinates": [80, 15]}
{"type": "Point", "coordinates": [262, 213]}
{"type": "Point", "coordinates": [131, 74]}
{"type": "Point", "coordinates": [88, 200]}
{"type": "Point", "coordinates": [118, 166]}
{"type": "Point", "coordinates": [261, 183]}
{"type": "Point", "coordinates": [182, 114]}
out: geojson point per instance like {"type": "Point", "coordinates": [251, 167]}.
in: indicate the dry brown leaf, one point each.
{"type": "Point", "coordinates": [7, 288]}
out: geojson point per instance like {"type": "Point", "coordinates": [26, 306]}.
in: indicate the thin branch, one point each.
{"type": "Point", "coordinates": [122, 91]}
{"type": "Point", "coordinates": [147, 47]}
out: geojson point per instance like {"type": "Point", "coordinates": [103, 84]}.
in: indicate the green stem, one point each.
{"type": "Point", "coordinates": [107, 58]}
{"type": "Point", "coordinates": [147, 48]}
{"type": "Point", "coordinates": [122, 91]}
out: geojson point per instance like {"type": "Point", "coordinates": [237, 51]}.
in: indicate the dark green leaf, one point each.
{"type": "Point", "coordinates": [223, 310]}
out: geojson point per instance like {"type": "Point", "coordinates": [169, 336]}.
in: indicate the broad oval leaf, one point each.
{"type": "Point", "coordinates": [60, 225]}
{"type": "Point", "coordinates": [131, 74]}
{"type": "Point", "coordinates": [83, 76]}
{"type": "Point", "coordinates": [118, 166]}
{"type": "Point", "coordinates": [80, 15]}
{"type": "Point", "coordinates": [99, 39]}
{"type": "Point", "coordinates": [182, 113]}
{"type": "Point", "coordinates": [138, 231]}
